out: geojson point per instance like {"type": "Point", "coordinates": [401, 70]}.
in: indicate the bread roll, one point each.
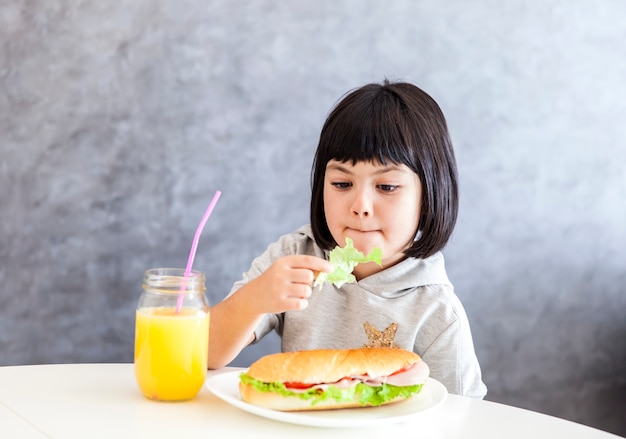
{"type": "Point", "coordinates": [323, 366]}
{"type": "Point", "coordinates": [330, 365]}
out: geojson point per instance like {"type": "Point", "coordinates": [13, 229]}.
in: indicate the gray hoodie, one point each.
{"type": "Point", "coordinates": [411, 305]}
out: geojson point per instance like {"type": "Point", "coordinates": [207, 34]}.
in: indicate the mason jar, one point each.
{"type": "Point", "coordinates": [171, 334]}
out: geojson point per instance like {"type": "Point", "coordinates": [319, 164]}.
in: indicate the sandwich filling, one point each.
{"type": "Point", "coordinates": [367, 390]}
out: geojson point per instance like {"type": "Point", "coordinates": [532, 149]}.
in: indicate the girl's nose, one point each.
{"type": "Point", "coordinates": [362, 205]}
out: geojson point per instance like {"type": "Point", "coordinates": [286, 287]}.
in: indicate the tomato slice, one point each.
{"type": "Point", "coordinates": [296, 385]}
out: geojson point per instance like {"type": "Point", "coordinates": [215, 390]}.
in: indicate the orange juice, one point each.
{"type": "Point", "coordinates": [171, 352]}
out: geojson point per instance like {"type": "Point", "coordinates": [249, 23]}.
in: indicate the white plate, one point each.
{"type": "Point", "coordinates": [226, 386]}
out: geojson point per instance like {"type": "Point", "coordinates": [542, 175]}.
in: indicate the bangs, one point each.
{"type": "Point", "coordinates": [370, 131]}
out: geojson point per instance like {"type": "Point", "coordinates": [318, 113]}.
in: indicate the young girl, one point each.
{"type": "Point", "coordinates": [385, 176]}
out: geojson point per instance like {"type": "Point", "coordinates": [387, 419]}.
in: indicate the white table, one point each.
{"type": "Point", "coordinates": [102, 400]}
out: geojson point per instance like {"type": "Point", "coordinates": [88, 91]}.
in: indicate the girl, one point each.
{"type": "Point", "coordinates": [384, 175]}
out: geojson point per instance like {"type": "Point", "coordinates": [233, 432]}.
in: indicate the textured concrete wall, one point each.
{"type": "Point", "coordinates": [119, 120]}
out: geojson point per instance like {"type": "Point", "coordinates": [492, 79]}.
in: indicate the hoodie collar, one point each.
{"type": "Point", "coordinates": [404, 277]}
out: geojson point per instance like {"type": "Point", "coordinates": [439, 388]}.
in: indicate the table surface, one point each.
{"type": "Point", "coordinates": [102, 400]}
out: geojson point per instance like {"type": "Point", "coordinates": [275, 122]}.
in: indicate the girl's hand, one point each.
{"type": "Point", "coordinates": [287, 284]}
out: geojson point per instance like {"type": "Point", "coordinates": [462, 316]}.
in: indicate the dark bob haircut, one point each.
{"type": "Point", "coordinates": [392, 123]}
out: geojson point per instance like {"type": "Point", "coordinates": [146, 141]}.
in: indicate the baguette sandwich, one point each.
{"type": "Point", "coordinates": [326, 379]}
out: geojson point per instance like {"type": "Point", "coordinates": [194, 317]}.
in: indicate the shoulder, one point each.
{"type": "Point", "coordinates": [298, 242]}
{"type": "Point", "coordinates": [443, 298]}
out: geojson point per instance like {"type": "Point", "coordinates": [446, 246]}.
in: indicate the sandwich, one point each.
{"type": "Point", "coordinates": [326, 379]}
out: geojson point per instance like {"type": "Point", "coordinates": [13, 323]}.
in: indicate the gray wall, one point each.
{"type": "Point", "coordinates": [119, 121]}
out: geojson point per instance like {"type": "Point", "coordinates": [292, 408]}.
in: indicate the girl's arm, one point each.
{"type": "Point", "coordinates": [284, 286]}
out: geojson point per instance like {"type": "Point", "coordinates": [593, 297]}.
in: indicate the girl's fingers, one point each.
{"type": "Point", "coordinates": [304, 276]}
{"type": "Point", "coordinates": [294, 303]}
{"type": "Point", "coordinates": [300, 291]}
{"type": "Point", "coordinates": [312, 263]}
{"type": "Point", "coordinates": [301, 304]}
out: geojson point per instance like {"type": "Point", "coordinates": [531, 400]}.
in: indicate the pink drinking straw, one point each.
{"type": "Point", "coordinates": [194, 246]}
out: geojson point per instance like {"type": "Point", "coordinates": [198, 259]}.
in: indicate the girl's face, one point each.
{"type": "Point", "coordinates": [375, 205]}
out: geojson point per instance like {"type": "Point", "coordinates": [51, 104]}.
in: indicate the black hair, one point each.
{"type": "Point", "coordinates": [398, 123]}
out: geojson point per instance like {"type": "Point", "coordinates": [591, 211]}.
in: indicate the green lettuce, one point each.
{"type": "Point", "coordinates": [366, 395]}
{"type": "Point", "coordinates": [344, 259]}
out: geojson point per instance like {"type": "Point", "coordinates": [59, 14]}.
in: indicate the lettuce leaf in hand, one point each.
{"type": "Point", "coordinates": [344, 259]}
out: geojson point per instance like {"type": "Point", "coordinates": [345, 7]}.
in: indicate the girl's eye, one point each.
{"type": "Point", "coordinates": [388, 187]}
{"type": "Point", "coordinates": [341, 184]}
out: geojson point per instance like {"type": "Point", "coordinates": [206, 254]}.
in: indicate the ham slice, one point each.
{"type": "Point", "coordinates": [415, 374]}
